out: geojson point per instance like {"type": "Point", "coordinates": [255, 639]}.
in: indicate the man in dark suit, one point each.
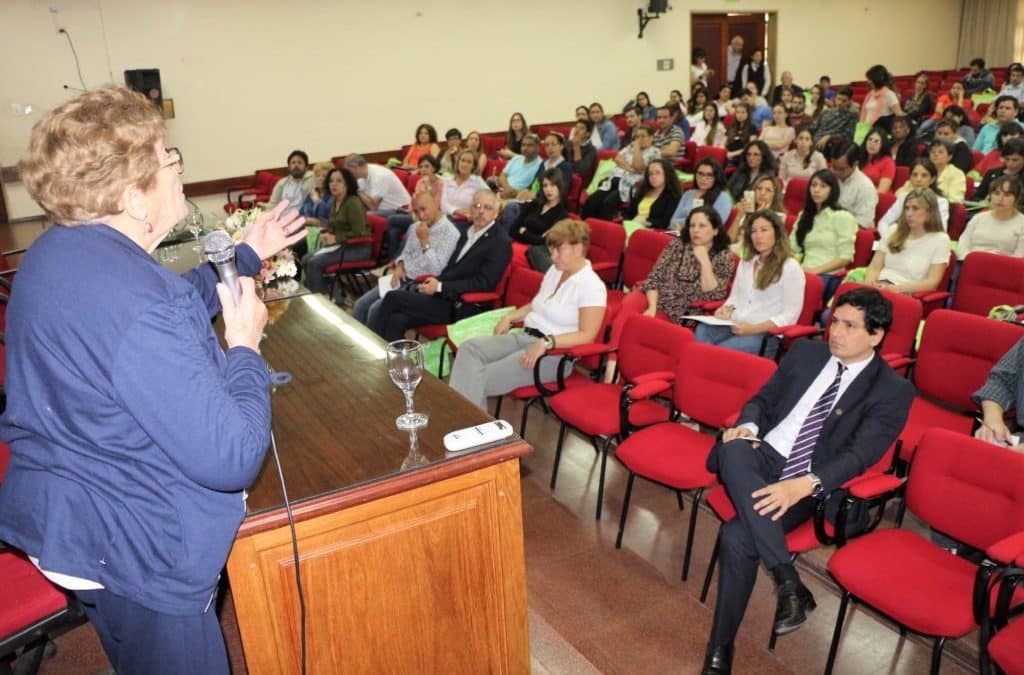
{"type": "Point", "coordinates": [477, 265]}
{"type": "Point", "coordinates": [827, 414]}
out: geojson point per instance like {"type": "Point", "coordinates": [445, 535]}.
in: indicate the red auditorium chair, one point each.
{"type": "Point", "coordinates": [967, 489]}
{"type": "Point", "coordinates": [356, 274]}
{"type": "Point", "coordinates": [607, 241]}
{"type": "Point", "coordinates": [247, 196]}
{"type": "Point", "coordinates": [649, 349]}
{"type": "Point", "coordinates": [885, 202]}
{"type": "Point", "coordinates": [492, 142]}
{"type": "Point", "coordinates": [718, 154]}
{"type": "Point", "coordinates": [933, 300]}
{"type": "Point", "coordinates": [644, 248]}
{"type": "Point", "coordinates": [956, 354]}
{"type": "Point", "coordinates": [795, 194]}
{"type": "Point", "coordinates": [689, 158]}
{"type": "Point", "coordinates": [814, 289]}
{"type": "Point", "coordinates": [1004, 648]}
{"type": "Point", "coordinates": [987, 280]}
{"type": "Point", "coordinates": [992, 160]}
{"type": "Point", "coordinates": [714, 384]}
{"type": "Point", "coordinates": [957, 221]}
{"type": "Point", "coordinates": [493, 168]}
{"type": "Point", "coordinates": [573, 194]}
{"type": "Point", "coordinates": [902, 176]}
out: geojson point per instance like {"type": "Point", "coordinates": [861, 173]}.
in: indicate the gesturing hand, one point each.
{"type": "Point", "coordinates": [272, 232]}
{"type": "Point", "coordinates": [777, 498]}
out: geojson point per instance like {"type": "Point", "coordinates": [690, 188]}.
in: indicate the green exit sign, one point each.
{"type": "Point", "coordinates": [666, 64]}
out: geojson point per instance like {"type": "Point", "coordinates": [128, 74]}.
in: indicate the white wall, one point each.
{"type": "Point", "coordinates": [252, 80]}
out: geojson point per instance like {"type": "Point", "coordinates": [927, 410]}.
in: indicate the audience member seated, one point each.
{"type": "Point", "coordinates": [920, 105]}
{"type": "Point", "coordinates": [836, 124]}
{"type": "Point", "coordinates": [739, 133]}
{"type": "Point", "coordinates": [818, 103]}
{"type": "Point", "coordinates": [538, 216]}
{"type": "Point", "coordinates": [581, 153]}
{"type": "Point", "coordinates": [475, 143]}
{"type": "Point", "coordinates": [768, 291]}
{"type": "Point", "coordinates": [856, 191]}
{"type": "Point", "coordinates": [710, 130]}
{"type": "Point", "coordinates": [786, 84]}
{"type": "Point", "coordinates": [314, 208]}
{"type": "Point", "coordinates": [756, 72]}
{"type": "Point", "coordinates": [604, 128]}
{"type": "Point", "coordinates": [709, 188]}
{"type": "Point", "coordinates": [767, 197]}
{"type": "Point", "coordinates": [1014, 85]}
{"type": "Point", "coordinates": [450, 155]}
{"type": "Point", "coordinates": [760, 112]}
{"type": "Point", "coordinates": [881, 103]}
{"type": "Point", "coordinates": [798, 116]}
{"type": "Point", "coordinates": [1012, 157]}
{"type": "Point", "coordinates": [429, 243]}
{"type": "Point", "coordinates": [429, 182]}
{"type": "Point", "coordinates": [554, 146]}
{"type": "Point", "coordinates": [1000, 230]}
{"type": "Point", "coordinates": [425, 143]}
{"type": "Point", "coordinates": [724, 101]}
{"type": "Point", "coordinates": [517, 131]}
{"type": "Point", "coordinates": [962, 158]}
{"type": "Point", "coordinates": [633, 121]}
{"type": "Point", "coordinates": [778, 135]}
{"type": "Point", "coordinates": [695, 106]}
{"type": "Point", "coordinates": [978, 79]}
{"type": "Point", "coordinates": [904, 146]}
{"type": "Point", "coordinates": [923, 175]}
{"type": "Point", "coordinates": [380, 190]}
{"type": "Point", "coordinates": [477, 265]}
{"type": "Point", "coordinates": [676, 97]}
{"type": "Point", "coordinates": [656, 197]}
{"type": "Point", "coordinates": [803, 160]}
{"type": "Point", "coordinates": [699, 70]}
{"type": "Point", "coordinates": [878, 164]}
{"type": "Point", "coordinates": [521, 170]}
{"type": "Point", "coordinates": [678, 113]}
{"type": "Point", "coordinates": [668, 138]}
{"type": "Point", "coordinates": [296, 186]}
{"type": "Point", "coordinates": [1007, 108]}
{"type": "Point", "coordinates": [1001, 398]}
{"type": "Point", "coordinates": [642, 103]}
{"type": "Point", "coordinates": [955, 97]}
{"type": "Point", "coordinates": [630, 165]}
{"type": "Point", "coordinates": [457, 196]}
{"type": "Point", "coordinates": [825, 234]}
{"type": "Point", "coordinates": [346, 219]}
{"type": "Point", "coordinates": [695, 267]}
{"type": "Point", "coordinates": [914, 256]}
{"type": "Point", "coordinates": [566, 312]}
{"type": "Point", "coordinates": [828, 95]}
{"type": "Point", "coordinates": [757, 159]}
{"type": "Point", "coordinates": [951, 179]}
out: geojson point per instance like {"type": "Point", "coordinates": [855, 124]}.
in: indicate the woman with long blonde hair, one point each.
{"type": "Point", "coordinates": [914, 257]}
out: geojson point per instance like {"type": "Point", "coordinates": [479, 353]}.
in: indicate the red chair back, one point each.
{"type": "Point", "coordinates": [957, 352]}
{"type": "Point", "coordinates": [977, 157]}
{"type": "Point", "coordinates": [523, 285]}
{"type": "Point", "coordinates": [491, 143]}
{"type": "Point", "coordinates": [796, 193]}
{"type": "Point", "coordinates": [607, 241]}
{"type": "Point", "coordinates": [969, 193]}
{"type": "Point", "coordinates": [906, 320]}
{"type": "Point", "coordinates": [378, 226]}
{"type": "Point", "coordinates": [968, 489]}
{"type": "Point", "coordinates": [412, 181]}
{"type": "Point", "coordinates": [790, 222]}
{"type": "Point", "coordinates": [402, 174]}
{"type": "Point", "coordinates": [644, 248]}
{"type": "Point", "coordinates": [957, 221]}
{"type": "Point", "coordinates": [265, 182]}
{"type": "Point", "coordinates": [494, 167]}
{"type": "Point", "coordinates": [863, 245]}
{"type": "Point", "coordinates": [902, 176]}
{"type": "Point", "coordinates": [885, 202]}
{"type": "Point", "coordinates": [991, 161]}
{"type": "Point", "coordinates": [573, 194]}
{"type": "Point", "coordinates": [650, 345]}
{"type": "Point", "coordinates": [714, 152]}
{"type": "Point", "coordinates": [987, 280]}
{"type": "Point", "coordinates": [607, 154]}
{"type": "Point", "coordinates": [716, 382]}
{"type": "Point", "coordinates": [814, 289]}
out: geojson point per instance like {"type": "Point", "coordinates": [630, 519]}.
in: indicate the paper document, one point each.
{"type": "Point", "coordinates": [709, 320]}
{"type": "Point", "coordinates": [384, 285]}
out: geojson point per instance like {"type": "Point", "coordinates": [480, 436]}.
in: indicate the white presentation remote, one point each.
{"type": "Point", "coordinates": [464, 439]}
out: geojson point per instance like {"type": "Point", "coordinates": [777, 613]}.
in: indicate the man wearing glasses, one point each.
{"type": "Point", "coordinates": [481, 256]}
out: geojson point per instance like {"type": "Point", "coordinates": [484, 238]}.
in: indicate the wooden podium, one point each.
{"type": "Point", "coordinates": [411, 560]}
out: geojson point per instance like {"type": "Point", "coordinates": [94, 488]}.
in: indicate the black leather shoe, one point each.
{"type": "Point", "coordinates": [795, 603]}
{"type": "Point", "coordinates": [718, 661]}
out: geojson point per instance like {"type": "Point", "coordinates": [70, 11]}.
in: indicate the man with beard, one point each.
{"type": "Point", "coordinates": [296, 186]}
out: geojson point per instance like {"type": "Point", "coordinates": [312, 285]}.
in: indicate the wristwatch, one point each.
{"type": "Point", "coordinates": [816, 482]}
{"type": "Point", "coordinates": [549, 342]}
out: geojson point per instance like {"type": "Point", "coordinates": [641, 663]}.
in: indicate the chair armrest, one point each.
{"type": "Point", "coordinates": [869, 487]}
{"type": "Point", "coordinates": [794, 332]}
{"type": "Point", "coordinates": [665, 375]}
{"type": "Point", "coordinates": [601, 266]}
{"type": "Point", "coordinates": [357, 240]}
{"type": "Point", "coordinates": [930, 296]}
{"type": "Point", "coordinates": [583, 351]}
{"type": "Point", "coordinates": [645, 389]}
{"type": "Point", "coordinates": [1008, 549]}
{"type": "Point", "coordinates": [480, 297]}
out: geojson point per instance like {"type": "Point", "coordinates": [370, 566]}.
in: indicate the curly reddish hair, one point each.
{"type": "Point", "coordinates": [85, 153]}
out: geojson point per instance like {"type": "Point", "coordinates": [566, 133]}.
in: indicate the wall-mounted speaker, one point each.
{"type": "Point", "coordinates": [146, 81]}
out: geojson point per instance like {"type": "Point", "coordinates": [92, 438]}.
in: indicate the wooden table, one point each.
{"type": "Point", "coordinates": [411, 562]}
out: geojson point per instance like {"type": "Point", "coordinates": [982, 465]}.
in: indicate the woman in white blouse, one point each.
{"type": "Point", "coordinates": [566, 312]}
{"type": "Point", "coordinates": [914, 257]}
{"type": "Point", "coordinates": [923, 174]}
{"type": "Point", "coordinates": [1000, 230]}
{"type": "Point", "coordinates": [767, 293]}
{"type": "Point", "coordinates": [710, 130]}
{"type": "Point", "coordinates": [458, 192]}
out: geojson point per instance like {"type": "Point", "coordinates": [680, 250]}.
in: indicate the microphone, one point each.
{"type": "Point", "coordinates": [220, 250]}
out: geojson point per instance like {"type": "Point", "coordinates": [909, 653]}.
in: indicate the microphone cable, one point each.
{"type": "Point", "coordinates": [291, 524]}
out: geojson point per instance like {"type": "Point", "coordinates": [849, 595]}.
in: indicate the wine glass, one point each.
{"type": "Point", "coordinates": [405, 366]}
{"type": "Point", "coordinates": [194, 224]}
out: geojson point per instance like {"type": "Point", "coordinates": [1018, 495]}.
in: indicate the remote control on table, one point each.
{"type": "Point", "coordinates": [482, 434]}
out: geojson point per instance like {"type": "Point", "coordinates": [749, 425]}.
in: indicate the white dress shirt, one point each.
{"type": "Point", "coordinates": [857, 194]}
{"type": "Point", "coordinates": [780, 303]}
{"type": "Point", "coordinates": [782, 437]}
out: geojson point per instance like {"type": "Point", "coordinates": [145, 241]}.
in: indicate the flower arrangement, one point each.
{"type": "Point", "coordinates": [281, 266]}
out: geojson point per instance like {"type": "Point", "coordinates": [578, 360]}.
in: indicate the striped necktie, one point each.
{"type": "Point", "coordinates": [799, 461]}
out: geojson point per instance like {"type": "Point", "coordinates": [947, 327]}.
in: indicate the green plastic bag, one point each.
{"type": "Point", "coordinates": [862, 130]}
{"type": "Point", "coordinates": [604, 171]}
{"type": "Point", "coordinates": [856, 275]}
{"type": "Point", "coordinates": [478, 325]}
{"type": "Point", "coordinates": [632, 226]}
{"type": "Point", "coordinates": [432, 355]}
{"type": "Point", "coordinates": [986, 96]}
{"type": "Point", "coordinates": [312, 238]}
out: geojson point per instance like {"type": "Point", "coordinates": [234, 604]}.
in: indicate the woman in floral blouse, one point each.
{"type": "Point", "coordinates": [696, 267]}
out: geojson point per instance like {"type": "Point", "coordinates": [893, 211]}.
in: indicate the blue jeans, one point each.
{"type": "Point", "coordinates": [366, 307]}
{"type": "Point", "coordinates": [510, 214]}
{"type": "Point", "coordinates": [722, 336]}
{"type": "Point", "coordinates": [398, 225]}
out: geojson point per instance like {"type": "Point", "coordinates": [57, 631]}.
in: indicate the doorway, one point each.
{"type": "Point", "coordinates": [712, 32]}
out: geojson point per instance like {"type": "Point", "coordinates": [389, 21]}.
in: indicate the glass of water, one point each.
{"type": "Point", "coordinates": [405, 366]}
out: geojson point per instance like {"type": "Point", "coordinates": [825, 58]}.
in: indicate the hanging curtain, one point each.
{"type": "Point", "coordinates": [988, 30]}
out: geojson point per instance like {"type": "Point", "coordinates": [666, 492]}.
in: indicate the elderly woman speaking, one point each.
{"type": "Point", "coordinates": [132, 433]}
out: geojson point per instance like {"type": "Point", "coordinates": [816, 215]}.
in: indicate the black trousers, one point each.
{"type": "Point", "coordinates": [401, 310]}
{"type": "Point", "coordinates": [750, 538]}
